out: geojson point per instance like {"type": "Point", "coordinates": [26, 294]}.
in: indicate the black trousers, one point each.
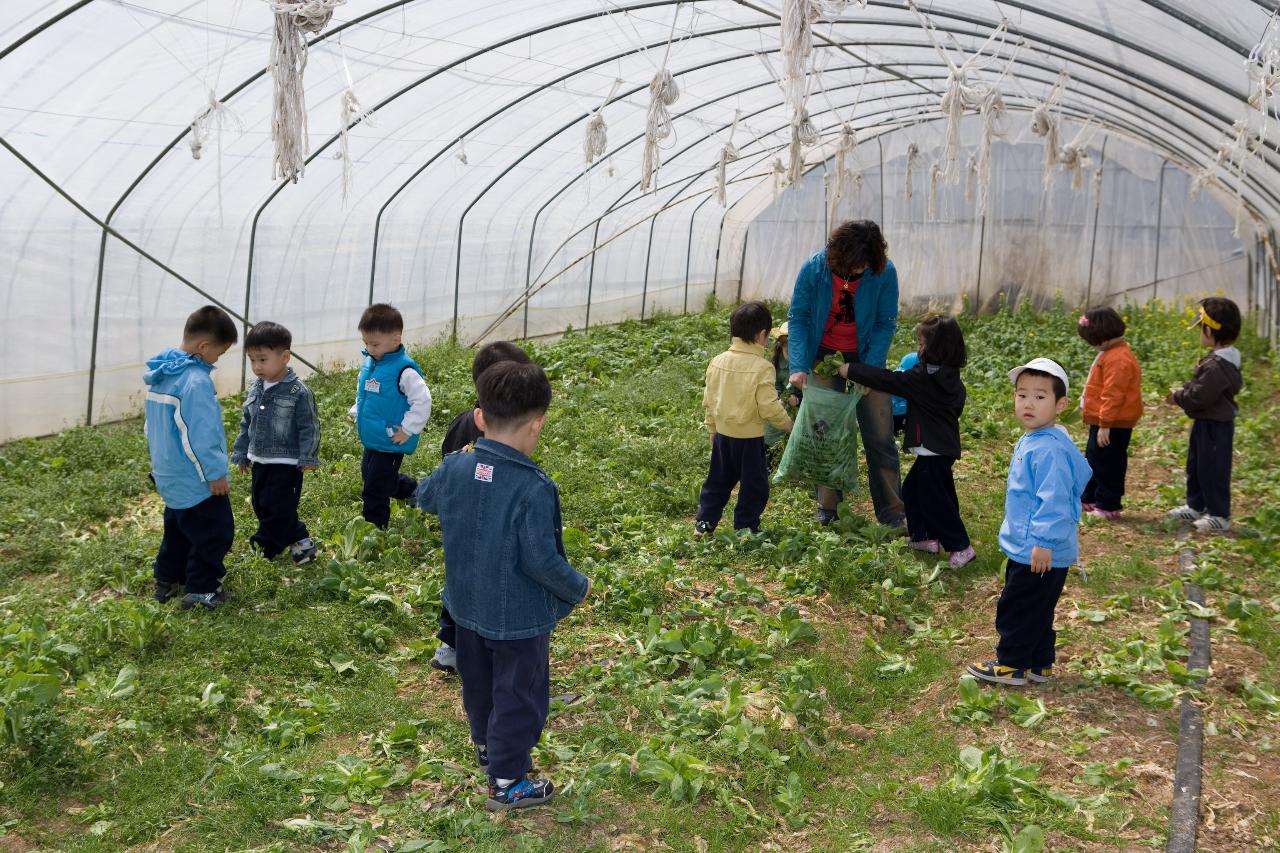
{"type": "Point", "coordinates": [1024, 616]}
{"type": "Point", "coordinates": [738, 462]}
{"type": "Point", "coordinates": [932, 505]}
{"type": "Point", "coordinates": [276, 492]}
{"type": "Point", "coordinates": [506, 690]}
{"type": "Point", "coordinates": [448, 633]}
{"type": "Point", "coordinates": [1109, 464]}
{"type": "Point", "coordinates": [1209, 467]}
{"type": "Point", "coordinates": [195, 541]}
{"type": "Point", "coordinates": [382, 482]}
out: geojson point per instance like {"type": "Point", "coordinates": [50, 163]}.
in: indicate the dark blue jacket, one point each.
{"type": "Point", "coordinates": [875, 311]}
{"type": "Point", "coordinates": [279, 423]}
{"type": "Point", "coordinates": [505, 575]}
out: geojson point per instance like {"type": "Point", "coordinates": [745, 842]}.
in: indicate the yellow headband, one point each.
{"type": "Point", "coordinates": [1207, 320]}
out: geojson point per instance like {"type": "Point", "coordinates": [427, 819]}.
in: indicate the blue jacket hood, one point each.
{"type": "Point", "coordinates": [170, 362]}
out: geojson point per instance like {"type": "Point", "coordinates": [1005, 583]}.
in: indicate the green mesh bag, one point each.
{"type": "Point", "coordinates": [823, 446]}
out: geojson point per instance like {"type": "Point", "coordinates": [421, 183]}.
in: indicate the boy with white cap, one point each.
{"type": "Point", "coordinates": [1047, 475]}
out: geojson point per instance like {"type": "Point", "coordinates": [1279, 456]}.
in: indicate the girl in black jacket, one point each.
{"type": "Point", "coordinates": [935, 398]}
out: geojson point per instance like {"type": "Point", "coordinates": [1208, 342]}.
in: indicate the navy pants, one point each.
{"type": "Point", "coordinates": [448, 633]}
{"type": "Point", "coordinates": [195, 541]}
{"type": "Point", "coordinates": [1109, 464]}
{"type": "Point", "coordinates": [382, 482]}
{"type": "Point", "coordinates": [933, 508]}
{"type": "Point", "coordinates": [738, 462]}
{"type": "Point", "coordinates": [1024, 616]}
{"type": "Point", "coordinates": [506, 690]}
{"type": "Point", "coordinates": [276, 492]}
{"type": "Point", "coordinates": [1209, 467]}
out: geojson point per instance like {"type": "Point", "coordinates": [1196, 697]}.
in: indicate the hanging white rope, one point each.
{"type": "Point", "coordinates": [844, 173]}
{"type": "Point", "coordinates": [597, 139]}
{"type": "Point", "coordinates": [992, 113]}
{"type": "Point", "coordinates": [913, 157]}
{"type": "Point", "coordinates": [1263, 66]}
{"type": "Point", "coordinates": [962, 92]}
{"type": "Point", "coordinates": [461, 153]}
{"type": "Point", "coordinates": [352, 113]}
{"type": "Point", "coordinates": [970, 171]}
{"type": "Point", "coordinates": [779, 176]}
{"type": "Point", "coordinates": [293, 20]}
{"type": "Point", "coordinates": [934, 172]}
{"type": "Point", "coordinates": [1045, 125]}
{"type": "Point", "coordinates": [803, 134]}
{"type": "Point", "coordinates": [1074, 156]}
{"type": "Point", "coordinates": [215, 117]}
{"type": "Point", "coordinates": [663, 92]}
{"type": "Point", "coordinates": [798, 18]}
{"type": "Point", "coordinates": [728, 153]}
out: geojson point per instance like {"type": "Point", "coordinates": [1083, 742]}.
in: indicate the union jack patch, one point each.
{"type": "Point", "coordinates": [484, 473]}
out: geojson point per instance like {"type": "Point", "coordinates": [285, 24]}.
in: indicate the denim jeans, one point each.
{"type": "Point", "coordinates": [875, 423]}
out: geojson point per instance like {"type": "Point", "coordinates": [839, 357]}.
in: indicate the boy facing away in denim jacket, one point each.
{"type": "Point", "coordinates": [279, 439]}
{"type": "Point", "coordinates": [506, 580]}
{"type": "Point", "coordinates": [1047, 476]}
{"type": "Point", "coordinates": [188, 448]}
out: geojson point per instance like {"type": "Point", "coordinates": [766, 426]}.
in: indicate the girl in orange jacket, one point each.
{"type": "Point", "coordinates": [1112, 405]}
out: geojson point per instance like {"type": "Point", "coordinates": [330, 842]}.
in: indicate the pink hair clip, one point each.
{"type": "Point", "coordinates": [1084, 321]}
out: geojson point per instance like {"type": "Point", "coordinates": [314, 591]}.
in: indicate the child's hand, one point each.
{"type": "Point", "coordinates": [400, 436]}
{"type": "Point", "coordinates": [308, 467]}
{"type": "Point", "coordinates": [1172, 390]}
{"type": "Point", "coordinates": [245, 467]}
{"type": "Point", "coordinates": [1104, 436]}
{"type": "Point", "coordinates": [1041, 560]}
{"type": "Point", "coordinates": [790, 426]}
{"type": "Point", "coordinates": [793, 401]}
{"type": "Point", "coordinates": [711, 438]}
{"type": "Point", "coordinates": [798, 380]}
{"type": "Point", "coordinates": [218, 486]}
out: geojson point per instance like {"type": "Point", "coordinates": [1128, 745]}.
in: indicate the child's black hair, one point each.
{"type": "Point", "coordinates": [942, 342]}
{"type": "Point", "coordinates": [1059, 387]}
{"type": "Point", "coordinates": [1099, 325]}
{"type": "Point", "coordinates": [381, 318]}
{"type": "Point", "coordinates": [213, 323]}
{"type": "Point", "coordinates": [268, 335]}
{"type": "Point", "coordinates": [510, 393]}
{"type": "Point", "coordinates": [1226, 314]}
{"type": "Point", "coordinates": [495, 353]}
{"type": "Point", "coordinates": [750, 319]}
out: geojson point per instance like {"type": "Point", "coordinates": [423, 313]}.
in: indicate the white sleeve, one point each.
{"type": "Point", "coordinates": [354, 410]}
{"type": "Point", "coordinates": [413, 386]}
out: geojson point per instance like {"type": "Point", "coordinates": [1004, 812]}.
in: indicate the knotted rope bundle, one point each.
{"type": "Point", "coordinates": [293, 21]}
{"type": "Point", "coordinates": [663, 92]}
{"type": "Point", "coordinates": [1045, 125]}
{"type": "Point", "coordinates": [913, 157]}
{"type": "Point", "coordinates": [596, 142]}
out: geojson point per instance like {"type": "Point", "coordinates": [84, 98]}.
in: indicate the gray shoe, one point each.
{"type": "Point", "coordinates": [303, 551]}
{"type": "Point", "coordinates": [166, 590]}
{"type": "Point", "coordinates": [445, 659]}
{"type": "Point", "coordinates": [825, 516]}
{"type": "Point", "coordinates": [208, 600]}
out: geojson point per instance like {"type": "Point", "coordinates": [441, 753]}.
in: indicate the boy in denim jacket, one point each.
{"type": "Point", "coordinates": [188, 448]}
{"type": "Point", "coordinates": [1047, 476]}
{"type": "Point", "coordinates": [393, 404]}
{"type": "Point", "coordinates": [279, 439]}
{"type": "Point", "coordinates": [506, 581]}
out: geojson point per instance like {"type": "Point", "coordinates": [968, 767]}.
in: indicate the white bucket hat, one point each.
{"type": "Point", "coordinates": [1044, 365]}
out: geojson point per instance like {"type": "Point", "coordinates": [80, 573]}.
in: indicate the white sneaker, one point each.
{"type": "Point", "coordinates": [1213, 524]}
{"type": "Point", "coordinates": [1185, 513]}
{"type": "Point", "coordinates": [445, 659]}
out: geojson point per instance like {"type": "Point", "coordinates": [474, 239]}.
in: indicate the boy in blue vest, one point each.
{"type": "Point", "coordinates": [1039, 535]}
{"type": "Point", "coordinates": [189, 465]}
{"type": "Point", "coordinates": [393, 404]}
{"type": "Point", "coordinates": [506, 580]}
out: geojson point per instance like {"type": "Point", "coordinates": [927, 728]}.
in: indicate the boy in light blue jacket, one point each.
{"type": "Point", "coordinates": [189, 461]}
{"type": "Point", "coordinates": [1047, 476]}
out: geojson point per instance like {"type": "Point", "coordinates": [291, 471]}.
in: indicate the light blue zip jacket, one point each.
{"type": "Point", "coordinates": [381, 405]}
{"type": "Point", "coordinates": [875, 311]}
{"type": "Point", "coordinates": [184, 428]}
{"type": "Point", "coordinates": [1047, 476]}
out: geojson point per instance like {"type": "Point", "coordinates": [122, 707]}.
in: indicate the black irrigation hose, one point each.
{"type": "Point", "coordinates": [1184, 815]}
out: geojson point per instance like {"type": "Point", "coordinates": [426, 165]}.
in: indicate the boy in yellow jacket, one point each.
{"type": "Point", "coordinates": [739, 398]}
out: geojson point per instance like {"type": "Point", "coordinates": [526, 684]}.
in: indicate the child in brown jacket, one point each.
{"type": "Point", "coordinates": [1112, 405]}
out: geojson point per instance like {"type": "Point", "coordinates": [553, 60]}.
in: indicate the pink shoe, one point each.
{"type": "Point", "coordinates": [1108, 514]}
{"type": "Point", "coordinates": [930, 546]}
{"type": "Point", "coordinates": [1087, 507]}
{"type": "Point", "coordinates": [963, 558]}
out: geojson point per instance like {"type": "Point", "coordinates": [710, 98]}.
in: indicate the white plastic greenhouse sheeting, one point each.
{"type": "Point", "coordinates": [98, 96]}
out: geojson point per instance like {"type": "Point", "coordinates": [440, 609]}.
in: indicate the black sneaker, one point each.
{"type": "Point", "coordinates": [702, 528]}
{"type": "Point", "coordinates": [166, 590]}
{"type": "Point", "coordinates": [482, 756]}
{"type": "Point", "coordinates": [208, 600]}
{"type": "Point", "coordinates": [825, 516]}
{"type": "Point", "coordinates": [523, 793]}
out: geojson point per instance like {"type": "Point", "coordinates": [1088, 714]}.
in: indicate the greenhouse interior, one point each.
{"type": "Point", "coordinates": [550, 173]}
